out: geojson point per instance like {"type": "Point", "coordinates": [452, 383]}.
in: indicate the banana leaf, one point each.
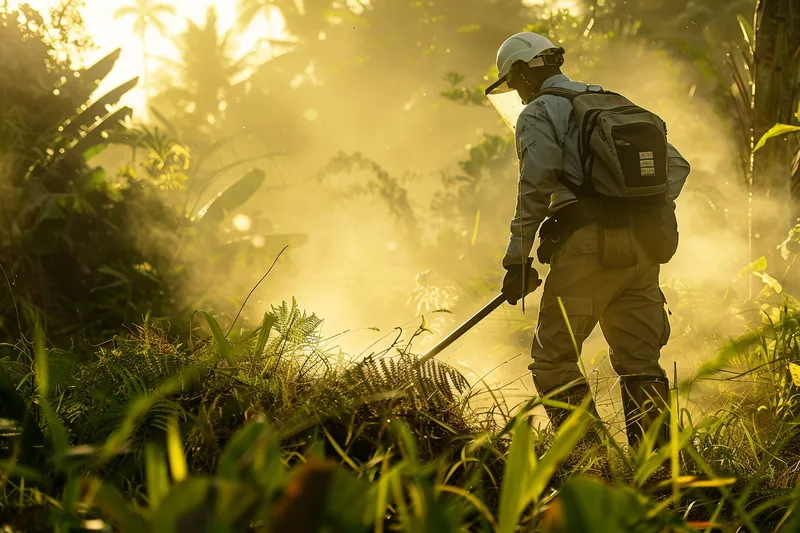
{"type": "Point", "coordinates": [230, 199]}
{"type": "Point", "coordinates": [97, 72]}
{"type": "Point", "coordinates": [97, 110]}
{"type": "Point", "coordinates": [95, 137]}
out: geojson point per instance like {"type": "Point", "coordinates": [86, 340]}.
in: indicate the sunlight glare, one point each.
{"type": "Point", "coordinates": [109, 34]}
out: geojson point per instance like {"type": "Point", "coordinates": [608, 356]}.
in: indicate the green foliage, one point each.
{"type": "Point", "coordinates": [250, 429]}
{"type": "Point", "coordinates": [776, 131]}
{"type": "Point", "coordinates": [57, 207]}
{"type": "Point", "coordinates": [261, 481]}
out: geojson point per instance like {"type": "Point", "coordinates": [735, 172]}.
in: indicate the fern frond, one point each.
{"type": "Point", "coordinates": [432, 380]}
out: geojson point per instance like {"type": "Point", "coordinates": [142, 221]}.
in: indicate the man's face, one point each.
{"type": "Point", "coordinates": [519, 79]}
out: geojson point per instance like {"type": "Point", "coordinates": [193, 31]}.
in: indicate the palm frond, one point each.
{"type": "Point", "coordinates": [125, 11]}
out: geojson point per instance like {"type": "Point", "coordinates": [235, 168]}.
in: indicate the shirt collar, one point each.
{"type": "Point", "coordinates": [552, 81]}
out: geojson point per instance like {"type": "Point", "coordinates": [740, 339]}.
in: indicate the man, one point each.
{"type": "Point", "coordinates": [601, 269]}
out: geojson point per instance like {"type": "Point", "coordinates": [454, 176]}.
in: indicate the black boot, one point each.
{"type": "Point", "coordinates": [572, 396]}
{"type": "Point", "coordinates": [644, 398]}
{"type": "Point", "coordinates": [589, 454]}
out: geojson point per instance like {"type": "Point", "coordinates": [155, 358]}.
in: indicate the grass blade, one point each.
{"type": "Point", "coordinates": [156, 475]}
{"type": "Point", "coordinates": [177, 459]}
{"type": "Point", "coordinates": [564, 442]}
{"type": "Point", "coordinates": [263, 336]}
{"type": "Point", "coordinates": [223, 346]}
{"type": "Point", "coordinates": [516, 477]}
{"type": "Point", "coordinates": [40, 363]}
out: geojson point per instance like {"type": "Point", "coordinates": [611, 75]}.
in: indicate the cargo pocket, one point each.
{"type": "Point", "coordinates": [667, 331]}
{"type": "Point", "coordinates": [615, 246]}
{"type": "Point", "coordinates": [582, 241]}
{"type": "Point", "coordinates": [579, 310]}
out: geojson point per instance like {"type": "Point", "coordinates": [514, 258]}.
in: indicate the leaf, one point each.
{"type": "Point", "coordinates": [231, 198]}
{"type": "Point", "coordinates": [185, 508]}
{"type": "Point", "coordinates": [475, 229]}
{"type": "Point", "coordinates": [177, 459]}
{"type": "Point", "coordinates": [100, 133]}
{"type": "Point", "coordinates": [794, 370]}
{"type": "Point", "coordinates": [349, 502]}
{"type": "Point", "coordinates": [40, 363]}
{"type": "Point", "coordinates": [97, 110]}
{"type": "Point", "coordinates": [94, 151]}
{"type": "Point", "coordinates": [137, 408]}
{"type": "Point", "coordinates": [516, 476]}
{"type": "Point", "coordinates": [747, 30]}
{"type": "Point", "coordinates": [156, 475]}
{"type": "Point", "coordinates": [775, 131]}
{"type": "Point", "coordinates": [114, 507]}
{"type": "Point", "coordinates": [408, 445]}
{"type": "Point", "coordinates": [769, 281]}
{"type": "Point", "coordinates": [96, 73]}
{"type": "Point", "coordinates": [13, 407]}
{"type": "Point", "coordinates": [58, 434]}
{"type": "Point", "coordinates": [587, 505]}
{"type": "Point", "coordinates": [263, 335]}
{"type": "Point", "coordinates": [565, 440]}
{"type": "Point", "coordinates": [759, 265]}
{"type": "Point", "coordinates": [223, 346]}
{"type": "Point", "coordinates": [253, 453]}
{"type": "Point", "coordinates": [340, 501]}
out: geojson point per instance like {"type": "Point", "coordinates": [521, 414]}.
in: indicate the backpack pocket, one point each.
{"type": "Point", "coordinates": [616, 245]}
{"type": "Point", "coordinates": [657, 232]}
{"type": "Point", "coordinates": [633, 143]}
{"type": "Point", "coordinates": [641, 154]}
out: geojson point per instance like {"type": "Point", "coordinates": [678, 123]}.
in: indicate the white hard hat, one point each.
{"type": "Point", "coordinates": [532, 48]}
{"type": "Point", "coordinates": [525, 46]}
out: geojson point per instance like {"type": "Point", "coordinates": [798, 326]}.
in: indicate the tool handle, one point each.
{"type": "Point", "coordinates": [532, 285]}
{"type": "Point", "coordinates": [463, 328]}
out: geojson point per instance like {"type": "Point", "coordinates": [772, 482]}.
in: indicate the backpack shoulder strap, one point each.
{"type": "Point", "coordinates": [556, 91]}
{"type": "Point", "coordinates": [585, 189]}
{"type": "Point", "coordinates": [570, 94]}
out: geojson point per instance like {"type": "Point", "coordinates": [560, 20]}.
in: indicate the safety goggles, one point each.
{"type": "Point", "coordinates": [506, 100]}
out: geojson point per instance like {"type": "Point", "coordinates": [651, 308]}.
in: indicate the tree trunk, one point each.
{"type": "Point", "coordinates": [145, 74]}
{"type": "Point", "coordinates": [776, 92]}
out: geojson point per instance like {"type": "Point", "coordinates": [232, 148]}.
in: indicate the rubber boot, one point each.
{"type": "Point", "coordinates": [589, 455]}
{"type": "Point", "coordinates": [644, 398]}
{"type": "Point", "coordinates": [572, 396]}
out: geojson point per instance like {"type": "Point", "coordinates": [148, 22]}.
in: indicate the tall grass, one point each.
{"type": "Point", "coordinates": [271, 430]}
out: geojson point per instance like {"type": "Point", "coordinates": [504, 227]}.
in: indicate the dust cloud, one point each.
{"type": "Point", "coordinates": [360, 266]}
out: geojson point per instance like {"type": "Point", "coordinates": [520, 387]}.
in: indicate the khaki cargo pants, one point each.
{"type": "Point", "coordinates": [627, 302]}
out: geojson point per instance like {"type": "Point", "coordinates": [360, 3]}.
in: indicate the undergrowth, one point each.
{"type": "Point", "coordinates": [243, 432]}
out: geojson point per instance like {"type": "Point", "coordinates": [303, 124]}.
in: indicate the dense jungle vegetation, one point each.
{"type": "Point", "coordinates": [159, 370]}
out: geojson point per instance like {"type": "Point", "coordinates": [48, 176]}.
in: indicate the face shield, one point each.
{"type": "Point", "coordinates": [506, 100]}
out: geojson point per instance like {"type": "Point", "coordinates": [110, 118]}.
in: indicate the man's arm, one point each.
{"type": "Point", "coordinates": [541, 162]}
{"type": "Point", "coordinates": [679, 169]}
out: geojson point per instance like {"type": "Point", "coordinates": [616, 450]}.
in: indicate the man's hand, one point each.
{"type": "Point", "coordinates": [520, 280]}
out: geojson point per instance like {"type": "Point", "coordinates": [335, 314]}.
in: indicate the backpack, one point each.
{"type": "Point", "coordinates": [623, 147]}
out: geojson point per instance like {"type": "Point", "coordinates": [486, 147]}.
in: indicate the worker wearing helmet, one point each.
{"type": "Point", "coordinates": [627, 302]}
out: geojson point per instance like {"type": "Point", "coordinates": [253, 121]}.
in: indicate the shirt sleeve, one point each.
{"type": "Point", "coordinates": [541, 160]}
{"type": "Point", "coordinates": [679, 170]}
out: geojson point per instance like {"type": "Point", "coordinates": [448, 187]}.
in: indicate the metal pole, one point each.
{"type": "Point", "coordinates": [463, 328]}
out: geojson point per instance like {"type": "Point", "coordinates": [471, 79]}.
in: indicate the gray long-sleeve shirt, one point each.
{"type": "Point", "coordinates": [547, 147]}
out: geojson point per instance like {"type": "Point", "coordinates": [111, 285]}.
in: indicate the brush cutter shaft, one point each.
{"type": "Point", "coordinates": [463, 328]}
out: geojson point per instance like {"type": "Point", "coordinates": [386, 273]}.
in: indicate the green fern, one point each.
{"type": "Point", "coordinates": [433, 380]}
{"type": "Point", "coordinates": [295, 329]}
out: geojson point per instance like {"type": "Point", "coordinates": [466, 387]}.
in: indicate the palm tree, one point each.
{"type": "Point", "coordinates": [207, 77]}
{"type": "Point", "coordinates": [147, 13]}
{"type": "Point", "coordinates": [776, 68]}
